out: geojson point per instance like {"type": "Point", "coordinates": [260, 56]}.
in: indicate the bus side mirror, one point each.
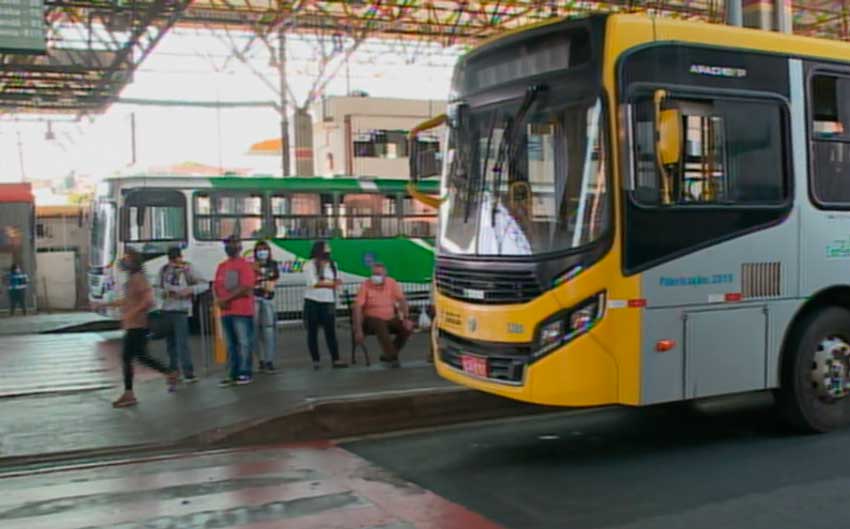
{"type": "Point", "coordinates": [668, 143]}
{"type": "Point", "coordinates": [670, 137]}
{"type": "Point", "coordinates": [424, 163]}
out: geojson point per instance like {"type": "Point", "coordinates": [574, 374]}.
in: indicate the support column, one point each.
{"type": "Point", "coordinates": [733, 13]}
{"type": "Point", "coordinates": [303, 143]}
{"type": "Point", "coordinates": [768, 15]}
{"type": "Point", "coordinates": [284, 107]}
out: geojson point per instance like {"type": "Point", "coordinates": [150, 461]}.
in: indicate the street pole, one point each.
{"type": "Point", "coordinates": [21, 157]}
{"type": "Point", "coordinates": [132, 138]}
{"type": "Point", "coordinates": [284, 110]}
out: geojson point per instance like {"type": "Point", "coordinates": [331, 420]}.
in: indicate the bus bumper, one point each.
{"type": "Point", "coordinates": [580, 373]}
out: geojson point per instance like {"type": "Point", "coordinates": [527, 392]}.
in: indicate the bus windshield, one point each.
{"type": "Point", "coordinates": [102, 251]}
{"type": "Point", "coordinates": [525, 179]}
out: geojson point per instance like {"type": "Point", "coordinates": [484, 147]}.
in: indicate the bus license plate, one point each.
{"type": "Point", "coordinates": [474, 365]}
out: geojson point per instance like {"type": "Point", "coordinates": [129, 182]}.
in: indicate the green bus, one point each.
{"type": "Point", "coordinates": [365, 220]}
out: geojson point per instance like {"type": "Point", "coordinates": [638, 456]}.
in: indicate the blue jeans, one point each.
{"type": "Point", "coordinates": [265, 335]}
{"type": "Point", "coordinates": [238, 331]}
{"type": "Point", "coordinates": [177, 342]}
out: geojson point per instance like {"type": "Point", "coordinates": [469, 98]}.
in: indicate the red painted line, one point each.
{"type": "Point", "coordinates": [410, 503]}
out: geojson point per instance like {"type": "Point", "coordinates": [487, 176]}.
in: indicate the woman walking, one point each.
{"type": "Point", "coordinates": [137, 301]}
{"type": "Point", "coordinates": [320, 302]}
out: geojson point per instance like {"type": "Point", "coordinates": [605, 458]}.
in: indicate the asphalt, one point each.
{"type": "Point", "coordinates": [725, 464]}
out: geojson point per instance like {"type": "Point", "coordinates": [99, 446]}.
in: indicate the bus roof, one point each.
{"type": "Point", "coordinates": [271, 183]}
{"type": "Point", "coordinates": [668, 29]}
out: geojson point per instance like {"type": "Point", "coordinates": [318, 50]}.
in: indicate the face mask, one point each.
{"type": "Point", "coordinates": [262, 255]}
{"type": "Point", "coordinates": [378, 280]}
{"type": "Point", "coordinates": [232, 250]}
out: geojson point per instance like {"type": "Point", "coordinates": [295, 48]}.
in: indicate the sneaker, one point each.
{"type": "Point", "coordinates": [191, 379]}
{"type": "Point", "coordinates": [270, 368]}
{"type": "Point", "coordinates": [171, 382]}
{"type": "Point", "coordinates": [226, 383]}
{"type": "Point", "coordinates": [316, 366]}
{"type": "Point", "coordinates": [243, 379]}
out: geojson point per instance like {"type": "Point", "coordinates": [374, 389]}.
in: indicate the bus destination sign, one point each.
{"type": "Point", "coordinates": [22, 27]}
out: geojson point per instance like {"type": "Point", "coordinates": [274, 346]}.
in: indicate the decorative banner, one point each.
{"type": "Point", "coordinates": [22, 27]}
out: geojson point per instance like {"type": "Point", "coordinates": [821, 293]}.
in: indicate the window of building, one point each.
{"type": "Point", "coordinates": [303, 215]}
{"type": "Point", "coordinates": [41, 230]}
{"type": "Point", "coordinates": [368, 215]}
{"type": "Point", "coordinates": [732, 153]}
{"type": "Point", "coordinates": [388, 144]}
{"type": "Point", "coordinates": [830, 140]}
{"type": "Point", "coordinates": [221, 215]}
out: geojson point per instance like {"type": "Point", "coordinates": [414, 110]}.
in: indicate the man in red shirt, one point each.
{"type": "Point", "coordinates": [377, 308]}
{"type": "Point", "coordinates": [234, 293]}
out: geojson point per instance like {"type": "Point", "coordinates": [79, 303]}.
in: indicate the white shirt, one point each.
{"type": "Point", "coordinates": [311, 278]}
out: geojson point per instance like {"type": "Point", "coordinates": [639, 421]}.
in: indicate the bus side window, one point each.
{"type": "Point", "coordinates": [830, 137]}
{"type": "Point", "coordinates": [732, 153]}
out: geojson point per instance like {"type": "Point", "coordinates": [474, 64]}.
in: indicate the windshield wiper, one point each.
{"type": "Point", "coordinates": [482, 178]}
{"type": "Point", "coordinates": [505, 151]}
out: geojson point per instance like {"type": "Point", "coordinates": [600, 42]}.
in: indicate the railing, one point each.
{"type": "Point", "coordinates": [289, 299]}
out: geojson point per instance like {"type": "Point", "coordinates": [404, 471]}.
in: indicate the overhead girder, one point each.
{"type": "Point", "coordinates": [95, 45]}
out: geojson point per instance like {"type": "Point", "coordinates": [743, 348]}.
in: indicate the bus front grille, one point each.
{"type": "Point", "coordinates": [485, 286]}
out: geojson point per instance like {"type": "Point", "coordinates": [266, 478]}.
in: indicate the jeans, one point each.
{"type": "Point", "coordinates": [238, 331]}
{"type": "Point", "coordinates": [382, 329]}
{"type": "Point", "coordinates": [17, 298]}
{"type": "Point", "coordinates": [265, 332]}
{"type": "Point", "coordinates": [177, 342]}
{"type": "Point", "coordinates": [317, 314]}
{"type": "Point", "coordinates": [136, 348]}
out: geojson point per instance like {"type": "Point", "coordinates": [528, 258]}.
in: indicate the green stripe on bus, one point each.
{"type": "Point", "coordinates": [406, 260]}
{"type": "Point", "coordinates": [319, 184]}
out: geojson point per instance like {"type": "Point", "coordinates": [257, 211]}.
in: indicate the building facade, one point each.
{"type": "Point", "coordinates": [367, 136]}
{"type": "Point", "coordinates": [62, 236]}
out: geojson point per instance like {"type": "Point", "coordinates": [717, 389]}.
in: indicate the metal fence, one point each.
{"type": "Point", "coordinates": [289, 300]}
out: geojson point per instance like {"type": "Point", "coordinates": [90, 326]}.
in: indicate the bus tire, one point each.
{"type": "Point", "coordinates": [814, 395]}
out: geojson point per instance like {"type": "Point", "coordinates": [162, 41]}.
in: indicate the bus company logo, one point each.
{"type": "Point", "coordinates": [718, 71]}
{"type": "Point", "coordinates": [472, 324]}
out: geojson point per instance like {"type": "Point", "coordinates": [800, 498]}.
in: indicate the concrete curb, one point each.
{"type": "Point", "coordinates": [368, 414]}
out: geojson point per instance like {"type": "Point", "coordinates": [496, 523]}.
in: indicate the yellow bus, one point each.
{"type": "Point", "coordinates": [639, 210]}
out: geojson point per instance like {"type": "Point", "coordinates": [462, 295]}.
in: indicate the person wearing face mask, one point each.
{"type": "Point", "coordinates": [381, 309]}
{"type": "Point", "coordinates": [135, 305]}
{"type": "Point", "coordinates": [265, 315]}
{"type": "Point", "coordinates": [178, 283]}
{"type": "Point", "coordinates": [17, 282]}
{"type": "Point", "coordinates": [234, 293]}
{"type": "Point", "coordinates": [321, 278]}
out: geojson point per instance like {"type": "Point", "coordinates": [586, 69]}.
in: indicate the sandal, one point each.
{"type": "Point", "coordinates": [125, 401]}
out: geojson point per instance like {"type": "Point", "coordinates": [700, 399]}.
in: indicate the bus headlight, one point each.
{"type": "Point", "coordinates": [568, 325]}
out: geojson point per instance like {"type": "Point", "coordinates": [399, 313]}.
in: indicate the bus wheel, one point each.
{"type": "Point", "coordinates": [815, 391]}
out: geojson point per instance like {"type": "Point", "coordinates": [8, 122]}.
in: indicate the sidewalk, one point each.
{"type": "Point", "coordinates": [54, 422]}
{"type": "Point", "coordinates": [44, 323]}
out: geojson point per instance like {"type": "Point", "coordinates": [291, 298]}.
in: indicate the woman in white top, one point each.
{"type": "Point", "coordinates": [320, 302]}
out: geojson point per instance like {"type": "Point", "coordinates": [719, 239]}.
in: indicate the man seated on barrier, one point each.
{"type": "Point", "coordinates": [380, 308]}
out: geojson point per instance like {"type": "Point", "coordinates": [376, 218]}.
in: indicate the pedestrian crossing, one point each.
{"type": "Point", "coordinates": [57, 363]}
{"type": "Point", "coordinates": [315, 486]}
